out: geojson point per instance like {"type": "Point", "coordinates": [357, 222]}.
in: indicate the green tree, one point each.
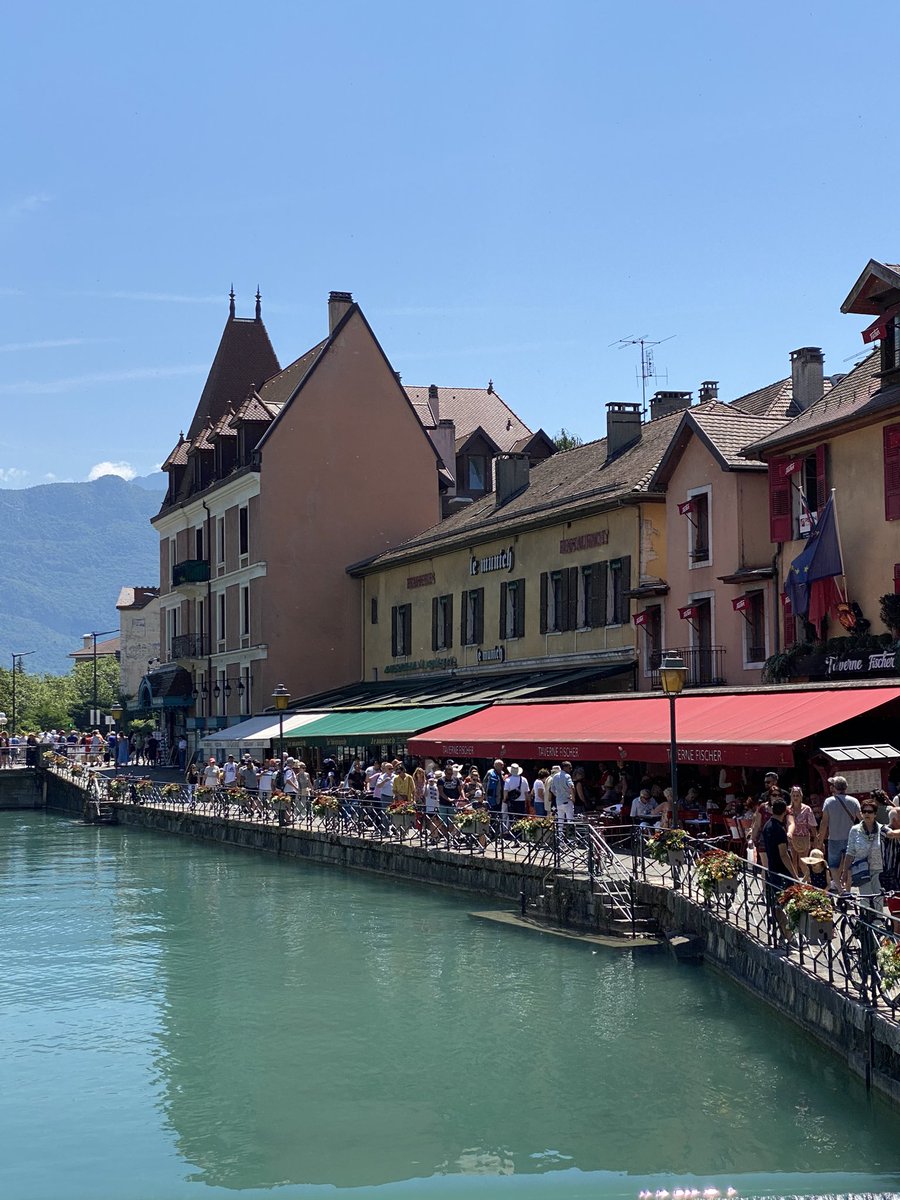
{"type": "Point", "coordinates": [82, 689]}
{"type": "Point", "coordinates": [566, 440]}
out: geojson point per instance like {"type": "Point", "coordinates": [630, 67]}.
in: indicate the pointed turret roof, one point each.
{"type": "Point", "coordinates": [244, 360]}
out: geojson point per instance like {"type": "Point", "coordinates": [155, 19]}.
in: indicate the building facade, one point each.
{"type": "Point", "coordinates": [138, 636]}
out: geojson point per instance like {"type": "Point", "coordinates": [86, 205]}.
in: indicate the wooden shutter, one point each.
{"type": "Point", "coordinates": [790, 628]}
{"type": "Point", "coordinates": [448, 623]}
{"type": "Point", "coordinates": [624, 612]}
{"type": "Point", "coordinates": [394, 612]}
{"type": "Point", "coordinates": [503, 590]}
{"type": "Point", "coordinates": [897, 579]}
{"type": "Point", "coordinates": [463, 610]}
{"type": "Point", "coordinates": [545, 588]}
{"type": "Point", "coordinates": [572, 599]}
{"type": "Point", "coordinates": [479, 616]}
{"type": "Point", "coordinates": [520, 608]}
{"type": "Point", "coordinates": [780, 505]}
{"type": "Point", "coordinates": [435, 617]}
{"type": "Point", "coordinates": [821, 480]}
{"type": "Point", "coordinates": [892, 472]}
{"type": "Point", "coordinates": [598, 599]}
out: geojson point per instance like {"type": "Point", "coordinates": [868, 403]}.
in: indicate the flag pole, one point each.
{"type": "Point", "coordinates": [837, 530]}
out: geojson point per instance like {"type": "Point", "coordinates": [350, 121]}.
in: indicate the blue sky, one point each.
{"type": "Point", "coordinates": [506, 188]}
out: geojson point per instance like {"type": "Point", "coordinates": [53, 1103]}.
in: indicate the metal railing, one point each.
{"type": "Point", "coordinates": [705, 665]}
{"type": "Point", "coordinates": [189, 645]}
{"type": "Point", "coordinates": [850, 952]}
{"type": "Point", "coordinates": [191, 570]}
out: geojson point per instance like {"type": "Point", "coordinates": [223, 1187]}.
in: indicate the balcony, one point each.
{"type": "Point", "coordinates": [188, 645]}
{"type": "Point", "coordinates": [705, 665]}
{"type": "Point", "coordinates": [192, 570]}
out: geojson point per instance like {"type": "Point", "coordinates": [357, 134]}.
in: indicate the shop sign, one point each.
{"type": "Point", "coordinates": [503, 560]}
{"type": "Point", "coordinates": [863, 664]}
{"type": "Point", "coordinates": [584, 541]}
{"type": "Point", "coordinates": [417, 581]}
{"type": "Point", "coordinates": [498, 655]}
{"type": "Point", "coordinates": [558, 753]}
{"type": "Point", "coordinates": [700, 754]}
{"type": "Point", "coordinates": [422, 664]}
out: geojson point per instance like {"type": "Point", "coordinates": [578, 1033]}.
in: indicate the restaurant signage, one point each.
{"type": "Point", "coordinates": [686, 506]}
{"type": "Point", "coordinates": [741, 603]}
{"type": "Point", "coordinates": [640, 618]}
{"type": "Point", "coordinates": [417, 581]}
{"type": "Point", "coordinates": [498, 654]}
{"type": "Point", "coordinates": [689, 612]}
{"type": "Point", "coordinates": [584, 541]}
{"type": "Point", "coordinates": [503, 560]}
{"type": "Point", "coordinates": [422, 664]}
{"type": "Point", "coordinates": [850, 664]}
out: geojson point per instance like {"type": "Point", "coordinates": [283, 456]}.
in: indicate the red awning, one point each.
{"type": "Point", "coordinates": [749, 729]}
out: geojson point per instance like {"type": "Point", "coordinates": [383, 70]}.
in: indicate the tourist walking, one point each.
{"type": "Point", "coordinates": [864, 857]}
{"type": "Point", "coordinates": [840, 813]}
{"type": "Point", "coordinates": [562, 792]}
{"type": "Point", "coordinates": [122, 751]}
{"type": "Point", "coordinates": [229, 772]}
{"type": "Point", "coordinates": [291, 789]}
{"type": "Point", "coordinates": [265, 783]}
{"type": "Point", "coordinates": [182, 752]}
{"type": "Point", "coordinates": [493, 785]}
{"type": "Point", "coordinates": [539, 793]}
{"type": "Point", "coordinates": [801, 830]}
{"type": "Point", "coordinates": [449, 793]}
{"type": "Point", "coordinates": [779, 869]}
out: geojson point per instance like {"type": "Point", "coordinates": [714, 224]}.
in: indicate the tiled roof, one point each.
{"type": "Point", "coordinates": [136, 597]}
{"type": "Point", "coordinates": [203, 440]}
{"type": "Point", "coordinates": [468, 408]}
{"type": "Point", "coordinates": [567, 481]}
{"type": "Point", "coordinates": [279, 388]}
{"type": "Point", "coordinates": [244, 359]}
{"type": "Point", "coordinates": [774, 400]}
{"type": "Point", "coordinates": [730, 432]}
{"type": "Point", "coordinates": [851, 397]}
{"type": "Point", "coordinates": [224, 427]}
{"type": "Point", "coordinates": [253, 409]}
{"type": "Point", "coordinates": [178, 457]}
{"type": "Point", "coordinates": [104, 650]}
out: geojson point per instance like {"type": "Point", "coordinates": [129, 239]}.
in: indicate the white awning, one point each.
{"type": "Point", "coordinates": [256, 732]}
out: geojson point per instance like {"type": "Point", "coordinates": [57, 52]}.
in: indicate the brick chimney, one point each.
{"type": "Point", "coordinates": [623, 428]}
{"type": "Point", "coordinates": [709, 390]}
{"type": "Point", "coordinates": [807, 377]}
{"type": "Point", "coordinates": [663, 403]}
{"type": "Point", "coordinates": [338, 303]}
{"type": "Point", "coordinates": [511, 475]}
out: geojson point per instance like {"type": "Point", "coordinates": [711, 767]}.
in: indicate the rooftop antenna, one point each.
{"type": "Point", "coordinates": [648, 367]}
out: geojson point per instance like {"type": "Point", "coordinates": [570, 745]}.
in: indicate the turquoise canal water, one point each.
{"type": "Point", "coordinates": [183, 1020]}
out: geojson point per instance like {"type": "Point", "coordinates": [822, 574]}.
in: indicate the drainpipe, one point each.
{"type": "Point", "coordinates": [208, 608]}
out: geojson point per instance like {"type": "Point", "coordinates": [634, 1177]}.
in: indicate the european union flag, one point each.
{"type": "Point", "coordinates": [820, 559]}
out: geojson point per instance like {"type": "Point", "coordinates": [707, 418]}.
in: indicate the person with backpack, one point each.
{"type": "Point", "coordinates": [516, 792]}
{"type": "Point", "coordinates": [493, 785]}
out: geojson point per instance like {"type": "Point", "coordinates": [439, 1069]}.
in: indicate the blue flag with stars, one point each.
{"type": "Point", "coordinates": [820, 559]}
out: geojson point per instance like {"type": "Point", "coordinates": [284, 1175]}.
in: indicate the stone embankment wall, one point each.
{"type": "Point", "coordinates": [20, 789]}
{"type": "Point", "coordinates": [868, 1042]}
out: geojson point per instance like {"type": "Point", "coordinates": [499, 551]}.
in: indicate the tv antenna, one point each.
{"type": "Point", "coordinates": [648, 367]}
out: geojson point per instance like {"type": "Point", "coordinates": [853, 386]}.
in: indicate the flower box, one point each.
{"type": "Point", "coordinates": [677, 858]}
{"type": "Point", "coordinates": [403, 820]}
{"type": "Point", "coordinates": [470, 823]}
{"type": "Point", "coordinates": [726, 887]}
{"type": "Point", "coordinates": [815, 930]}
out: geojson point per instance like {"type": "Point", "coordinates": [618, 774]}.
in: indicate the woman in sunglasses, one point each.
{"type": "Point", "coordinates": [865, 856]}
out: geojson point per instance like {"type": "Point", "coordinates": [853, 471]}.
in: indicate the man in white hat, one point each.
{"type": "Point", "coordinates": [516, 792]}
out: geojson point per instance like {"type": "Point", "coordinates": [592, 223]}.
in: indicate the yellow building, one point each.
{"type": "Point", "coordinates": [538, 577]}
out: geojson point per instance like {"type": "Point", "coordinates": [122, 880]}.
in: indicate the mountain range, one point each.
{"type": "Point", "coordinates": [67, 550]}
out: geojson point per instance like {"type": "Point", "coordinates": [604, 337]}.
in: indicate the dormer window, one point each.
{"type": "Point", "coordinates": [477, 473]}
{"type": "Point", "coordinates": [890, 345]}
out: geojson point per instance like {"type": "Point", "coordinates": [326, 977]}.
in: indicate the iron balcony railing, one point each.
{"type": "Point", "coordinates": [188, 645]}
{"type": "Point", "coordinates": [192, 570]}
{"type": "Point", "coordinates": [705, 664]}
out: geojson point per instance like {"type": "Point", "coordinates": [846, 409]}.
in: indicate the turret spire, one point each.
{"type": "Point", "coordinates": [258, 304]}
{"type": "Point", "coordinates": [231, 303]}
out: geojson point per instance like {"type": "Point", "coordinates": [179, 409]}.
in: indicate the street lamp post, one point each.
{"type": "Point", "coordinates": [672, 673]}
{"type": "Point", "coordinates": [16, 657]}
{"type": "Point", "coordinates": [282, 698]}
{"type": "Point", "coordinates": [94, 634]}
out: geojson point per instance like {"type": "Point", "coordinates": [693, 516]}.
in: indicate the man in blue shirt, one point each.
{"type": "Point", "coordinates": [493, 785]}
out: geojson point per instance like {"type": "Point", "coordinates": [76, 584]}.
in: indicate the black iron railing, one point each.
{"type": "Point", "coordinates": [188, 645]}
{"type": "Point", "coordinates": [705, 664]}
{"type": "Point", "coordinates": [192, 570]}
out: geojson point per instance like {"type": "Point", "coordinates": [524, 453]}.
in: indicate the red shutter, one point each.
{"type": "Point", "coordinates": [821, 497]}
{"type": "Point", "coordinates": [780, 514]}
{"type": "Point", "coordinates": [790, 629]}
{"type": "Point", "coordinates": [892, 472]}
{"type": "Point", "coordinates": [897, 579]}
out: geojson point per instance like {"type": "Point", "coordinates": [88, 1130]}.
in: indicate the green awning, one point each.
{"type": "Point", "coordinates": [375, 725]}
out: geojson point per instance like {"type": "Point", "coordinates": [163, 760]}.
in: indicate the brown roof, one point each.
{"type": "Point", "coordinates": [104, 650]}
{"type": "Point", "coordinates": [224, 427]}
{"type": "Point", "coordinates": [851, 397]}
{"type": "Point", "coordinates": [468, 408]}
{"type": "Point", "coordinates": [774, 400]}
{"type": "Point", "coordinates": [203, 440]}
{"type": "Point", "coordinates": [178, 457]}
{"type": "Point", "coordinates": [136, 597]}
{"type": "Point", "coordinates": [725, 433]}
{"type": "Point", "coordinates": [244, 359]}
{"type": "Point", "coordinates": [279, 388]}
{"type": "Point", "coordinates": [568, 481]}
{"type": "Point", "coordinates": [253, 409]}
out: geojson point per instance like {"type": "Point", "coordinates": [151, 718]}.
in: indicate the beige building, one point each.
{"type": "Point", "coordinates": [138, 636]}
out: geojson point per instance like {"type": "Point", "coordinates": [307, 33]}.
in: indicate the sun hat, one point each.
{"type": "Point", "coordinates": [515, 769]}
{"type": "Point", "coordinates": [555, 770]}
{"type": "Point", "coordinates": [815, 858]}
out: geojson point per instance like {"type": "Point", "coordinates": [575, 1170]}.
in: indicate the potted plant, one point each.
{"type": "Point", "coordinates": [666, 846]}
{"type": "Point", "coordinates": [77, 768]}
{"type": "Point", "coordinates": [534, 829]}
{"type": "Point", "coordinates": [472, 820]}
{"type": "Point", "coordinates": [143, 789]}
{"type": "Point", "coordinates": [171, 791]}
{"type": "Point", "coordinates": [717, 871]}
{"type": "Point", "coordinates": [325, 806]}
{"type": "Point", "coordinates": [808, 910]}
{"type": "Point", "coordinates": [887, 960]}
{"type": "Point", "coordinates": [402, 813]}
{"type": "Point", "coordinates": [117, 788]}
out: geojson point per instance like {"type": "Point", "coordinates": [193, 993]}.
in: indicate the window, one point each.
{"type": "Point", "coordinates": [890, 346]}
{"type": "Point", "coordinates": [221, 629]}
{"type": "Point", "coordinates": [592, 588]}
{"type": "Point", "coordinates": [559, 600]}
{"type": "Point", "coordinates": [618, 604]}
{"type": "Point", "coordinates": [472, 620]}
{"type": "Point", "coordinates": [245, 611]}
{"type": "Point", "coordinates": [477, 473]}
{"type": "Point", "coordinates": [401, 630]}
{"type": "Point", "coordinates": [755, 629]}
{"type": "Point", "coordinates": [892, 472]}
{"type": "Point", "coordinates": [201, 628]}
{"type": "Point", "coordinates": [373, 610]}
{"type": "Point", "coordinates": [512, 609]}
{"type": "Point", "coordinates": [171, 628]}
{"type": "Point", "coordinates": [556, 614]}
{"type": "Point", "coordinates": [798, 490]}
{"type": "Point", "coordinates": [699, 531]}
{"type": "Point", "coordinates": [220, 541]}
{"type": "Point", "coordinates": [243, 531]}
{"type": "Point", "coordinates": [441, 622]}
{"type": "Point", "coordinates": [198, 543]}
{"type": "Point", "coordinates": [172, 560]}
{"type": "Point", "coordinates": [652, 638]}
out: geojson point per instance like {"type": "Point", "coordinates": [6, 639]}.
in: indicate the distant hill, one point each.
{"type": "Point", "coordinates": [68, 549]}
{"type": "Point", "coordinates": [157, 481]}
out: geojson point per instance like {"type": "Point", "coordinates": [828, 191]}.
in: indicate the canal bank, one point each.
{"type": "Point", "coordinates": [864, 1039]}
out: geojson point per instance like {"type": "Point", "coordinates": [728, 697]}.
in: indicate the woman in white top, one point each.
{"type": "Point", "coordinates": [539, 793]}
{"type": "Point", "coordinates": [304, 787]}
{"type": "Point", "coordinates": [211, 774]}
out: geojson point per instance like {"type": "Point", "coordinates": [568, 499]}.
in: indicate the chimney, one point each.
{"type": "Point", "coordinates": [338, 303]}
{"type": "Point", "coordinates": [87, 640]}
{"type": "Point", "coordinates": [434, 402]}
{"type": "Point", "coordinates": [511, 476]}
{"type": "Point", "coordinates": [709, 390]}
{"type": "Point", "coordinates": [807, 377]}
{"type": "Point", "coordinates": [663, 403]}
{"type": "Point", "coordinates": [623, 428]}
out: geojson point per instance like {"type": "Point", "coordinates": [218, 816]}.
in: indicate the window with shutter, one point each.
{"type": "Point", "coordinates": [789, 625]}
{"type": "Point", "coordinates": [520, 608]}
{"type": "Point", "coordinates": [821, 496]}
{"type": "Point", "coordinates": [892, 472]}
{"type": "Point", "coordinates": [780, 505]}
{"type": "Point", "coordinates": [435, 620]}
{"type": "Point", "coordinates": [572, 599]}
{"type": "Point", "coordinates": [478, 618]}
{"type": "Point", "coordinates": [897, 579]}
{"type": "Point", "coordinates": [598, 600]}
{"type": "Point", "coordinates": [624, 606]}
{"type": "Point", "coordinates": [504, 589]}
{"type": "Point", "coordinates": [545, 599]}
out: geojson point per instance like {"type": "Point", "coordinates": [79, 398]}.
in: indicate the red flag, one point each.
{"type": "Point", "coordinates": [824, 595]}
{"type": "Point", "coordinates": [740, 603]}
{"type": "Point", "coordinates": [688, 612]}
{"type": "Point", "coordinates": [640, 618]}
{"type": "Point", "coordinates": [686, 506]}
